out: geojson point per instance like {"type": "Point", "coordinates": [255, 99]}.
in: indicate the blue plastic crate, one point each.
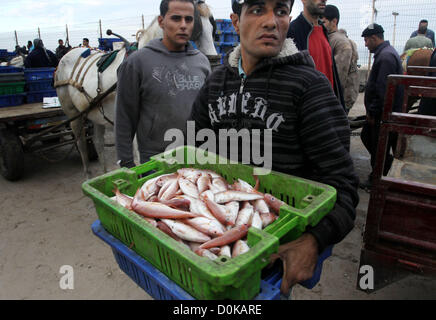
{"type": "Point", "coordinates": [3, 53]}
{"type": "Point", "coordinates": [10, 69]}
{"type": "Point", "coordinates": [154, 282]}
{"type": "Point", "coordinates": [107, 44]}
{"type": "Point", "coordinates": [224, 25]}
{"type": "Point", "coordinates": [160, 287]}
{"type": "Point", "coordinates": [39, 85]}
{"type": "Point", "coordinates": [33, 74]}
{"type": "Point", "coordinates": [38, 96]}
{"type": "Point", "coordinates": [12, 100]}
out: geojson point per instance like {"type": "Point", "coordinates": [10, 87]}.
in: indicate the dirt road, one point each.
{"type": "Point", "coordinates": [46, 224]}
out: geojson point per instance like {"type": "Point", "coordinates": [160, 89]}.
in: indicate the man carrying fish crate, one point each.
{"type": "Point", "coordinates": [267, 84]}
{"type": "Point", "coordinates": [158, 84]}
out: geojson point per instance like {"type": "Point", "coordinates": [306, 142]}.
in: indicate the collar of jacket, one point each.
{"type": "Point", "coordinates": [380, 47]}
{"type": "Point", "coordinates": [288, 49]}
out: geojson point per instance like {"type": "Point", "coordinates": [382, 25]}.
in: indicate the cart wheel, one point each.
{"type": "Point", "coordinates": [11, 156]}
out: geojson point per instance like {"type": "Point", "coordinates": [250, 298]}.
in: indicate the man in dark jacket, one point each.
{"type": "Point", "coordinates": [386, 62]}
{"type": "Point", "coordinates": [62, 50]}
{"type": "Point", "coordinates": [40, 57]}
{"type": "Point", "coordinates": [309, 33]}
{"type": "Point", "coordinates": [270, 88]}
{"type": "Point", "coordinates": [428, 105]}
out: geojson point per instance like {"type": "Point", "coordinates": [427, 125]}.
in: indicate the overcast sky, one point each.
{"type": "Point", "coordinates": [124, 17]}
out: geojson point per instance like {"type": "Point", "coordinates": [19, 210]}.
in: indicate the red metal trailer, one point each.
{"type": "Point", "coordinates": [400, 231]}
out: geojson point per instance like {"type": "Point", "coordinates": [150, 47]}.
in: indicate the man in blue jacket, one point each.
{"type": "Point", "coordinates": [428, 105]}
{"type": "Point", "coordinates": [309, 33]}
{"type": "Point", "coordinates": [386, 62]}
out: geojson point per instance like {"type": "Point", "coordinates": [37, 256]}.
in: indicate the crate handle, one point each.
{"type": "Point", "coordinates": [288, 226]}
{"type": "Point", "coordinates": [146, 167]}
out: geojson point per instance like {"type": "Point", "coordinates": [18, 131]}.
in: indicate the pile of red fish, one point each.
{"type": "Point", "coordinates": [200, 209]}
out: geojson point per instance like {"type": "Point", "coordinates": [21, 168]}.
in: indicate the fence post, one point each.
{"type": "Point", "coordinates": [101, 32]}
{"type": "Point", "coordinates": [67, 40]}
{"type": "Point", "coordinates": [16, 37]}
{"type": "Point", "coordinates": [39, 33]}
{"type": "Point", "coordinates": [143, 23]}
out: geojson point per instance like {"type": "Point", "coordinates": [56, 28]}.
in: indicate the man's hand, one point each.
{"type": "Point", "coordinates": [299, 260]}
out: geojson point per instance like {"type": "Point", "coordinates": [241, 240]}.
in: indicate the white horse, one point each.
{"type": "Point", "coordinates": [77, 80]}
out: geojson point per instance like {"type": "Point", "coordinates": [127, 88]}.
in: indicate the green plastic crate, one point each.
{"type": "Point", "coordinates": [237, 278]}
{"type": "Point", "coordinates": [11, 88]}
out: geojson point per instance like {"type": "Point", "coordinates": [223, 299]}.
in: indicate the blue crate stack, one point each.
{"type": "Point", "coordinates": [107, 44]}
{"type": "Point", "coordinates": [39, 84]}
{"type": "Point", "coordinates": [11, 75]}
{"type": "Point", "coordinates": [227, 37]}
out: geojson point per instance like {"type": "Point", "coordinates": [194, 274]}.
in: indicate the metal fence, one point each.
{"type": "Point", "coordinates": [399, 19]}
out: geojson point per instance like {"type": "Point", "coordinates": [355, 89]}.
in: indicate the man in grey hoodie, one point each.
{"type": "Point", "coordinates": [158, 84]}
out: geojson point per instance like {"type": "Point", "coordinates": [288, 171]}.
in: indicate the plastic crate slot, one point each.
{"type": "Point", "coordinates": [128, 235]}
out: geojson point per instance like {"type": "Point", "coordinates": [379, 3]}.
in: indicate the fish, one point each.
{"type": "Point", "coordinates": [194, 246]}
{"type": "Point", "coordinates": [169, 189]}
{"type": "Point", "coordinates": [206, 253]}
{"type": "Point", "coordinates": [160, 211]}
{"type": "Point", "coordinates": [273, 202]}
{"type": "Point", "coordinates": [164, 178]}
{"type": "Point", "coordinates": [164, 228]}
{"type": "Point", "coordinates": [203, 183]}
{"type": "Point", "coordinates": [245, 214]}
{"type": "Point", "coordinates": [232, 195]}
{"type": "Point", "coordinates": [268, 218]}
{"type": "Point", "coordinates": [220, 212]}
{"type": "Point", "coordinates": [210, 227]}
{"type": "Point", "coordinates": [124, 200]}
{"type": "Point", "coordinates": [261, 206]}
{"type": "Point", "coordinates": [189, 188]}
{"type": "Point", "coordinates": [232, 213]}
{"type": "Point", "coordinates": [215, 250]}
{"type": "Point", "coordinates": [228, 237]}
{"type": "Point", "coordinates": [256, 221]}
{"type": "Point", "coordinates": [218, 185]}
{"type": "Point", "coordinates": [226, 251]}
{"type": "Point", "coordinates": [240, 247]}
{"type": "Point", "coordinates": [190, 174]}
{"type": "Point", "coordinates": [178, 202]}
{"type": "Point", "coordinates": [185, 232]}
{"type": "Point", "coordinates": [150, 188]}
{"type": "Point", "coordinates": [151, 221]}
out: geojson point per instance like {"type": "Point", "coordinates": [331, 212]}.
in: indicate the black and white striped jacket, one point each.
{"type": "Point", "coordinates": [311, 133]}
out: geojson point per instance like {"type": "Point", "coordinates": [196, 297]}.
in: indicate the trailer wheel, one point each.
{"type": "Point", "coordinates": [11, 156]}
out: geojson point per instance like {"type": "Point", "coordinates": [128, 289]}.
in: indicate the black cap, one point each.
{"type": "Point", "coordinates": [372, 29]}
{"type": "Point", "coordinates": [237, 5]}
{"type": "Point", "coordinates": [331, 12]}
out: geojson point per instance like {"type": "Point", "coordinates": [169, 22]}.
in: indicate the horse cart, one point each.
{"type": "Point", "coordinates": [30, 128]}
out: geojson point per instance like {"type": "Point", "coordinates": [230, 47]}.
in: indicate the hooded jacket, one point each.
{"type": "Point", "coordinates": [310, 131]}
{"type": "Point", "coordinates": [41, 58]}
{"type": "Point", "coordinates": [156, 89]}
{"type": "Point", "coordinates": [300, 30]}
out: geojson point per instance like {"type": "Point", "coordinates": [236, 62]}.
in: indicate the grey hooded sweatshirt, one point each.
{"type": "Point", "coordinates": [155, 93]}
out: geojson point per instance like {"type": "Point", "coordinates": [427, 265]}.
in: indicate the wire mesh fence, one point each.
{"type": "Point", "coordinates": [355, 17]}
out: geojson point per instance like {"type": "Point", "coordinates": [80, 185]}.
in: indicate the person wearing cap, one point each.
{"type": "Point", "coordinates": [345, 54]}
{"type": "Point", "coordinates": [386, 62]}
{"type": "Point", "coordinates": [268, 87]}
{"type": "Point", "coordinates": [423, 28]}
{"type": "Point", "coordinates": [420, 41]}
{"type": "Point", "coordinates": [309, 33]}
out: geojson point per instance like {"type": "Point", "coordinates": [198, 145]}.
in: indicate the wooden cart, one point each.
{"type": "Point", "coordinates": [26, 129]}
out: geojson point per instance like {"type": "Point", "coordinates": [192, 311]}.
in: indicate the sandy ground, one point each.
{"type": "Point", "coordinates": [46, 224]}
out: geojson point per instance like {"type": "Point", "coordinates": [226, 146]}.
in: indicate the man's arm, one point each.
{"type": "Point", "coordinates": [127, 112]}
{"type": "Point", "coordinates": [343, 56]}
{"type": "Point", "coordinates": [325, 138]}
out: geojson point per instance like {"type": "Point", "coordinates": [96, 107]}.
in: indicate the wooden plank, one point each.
{"type": "Point", "coordinates": [28, 111]}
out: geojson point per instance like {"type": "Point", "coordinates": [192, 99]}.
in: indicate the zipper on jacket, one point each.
{"type": "Point", "coordinates": [239, 101]}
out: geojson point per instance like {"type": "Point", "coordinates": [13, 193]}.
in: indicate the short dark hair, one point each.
{"type": "Point", "coordinates": [165, 5]}
{"type": "Point", "coordinates": [423, 21]}
{"type": "Point", "coordinates": [85, 39]}
{"type": "Point", "coordinates": [331, 12]}
{"type": "Point", "coordinates": [237, 8]}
